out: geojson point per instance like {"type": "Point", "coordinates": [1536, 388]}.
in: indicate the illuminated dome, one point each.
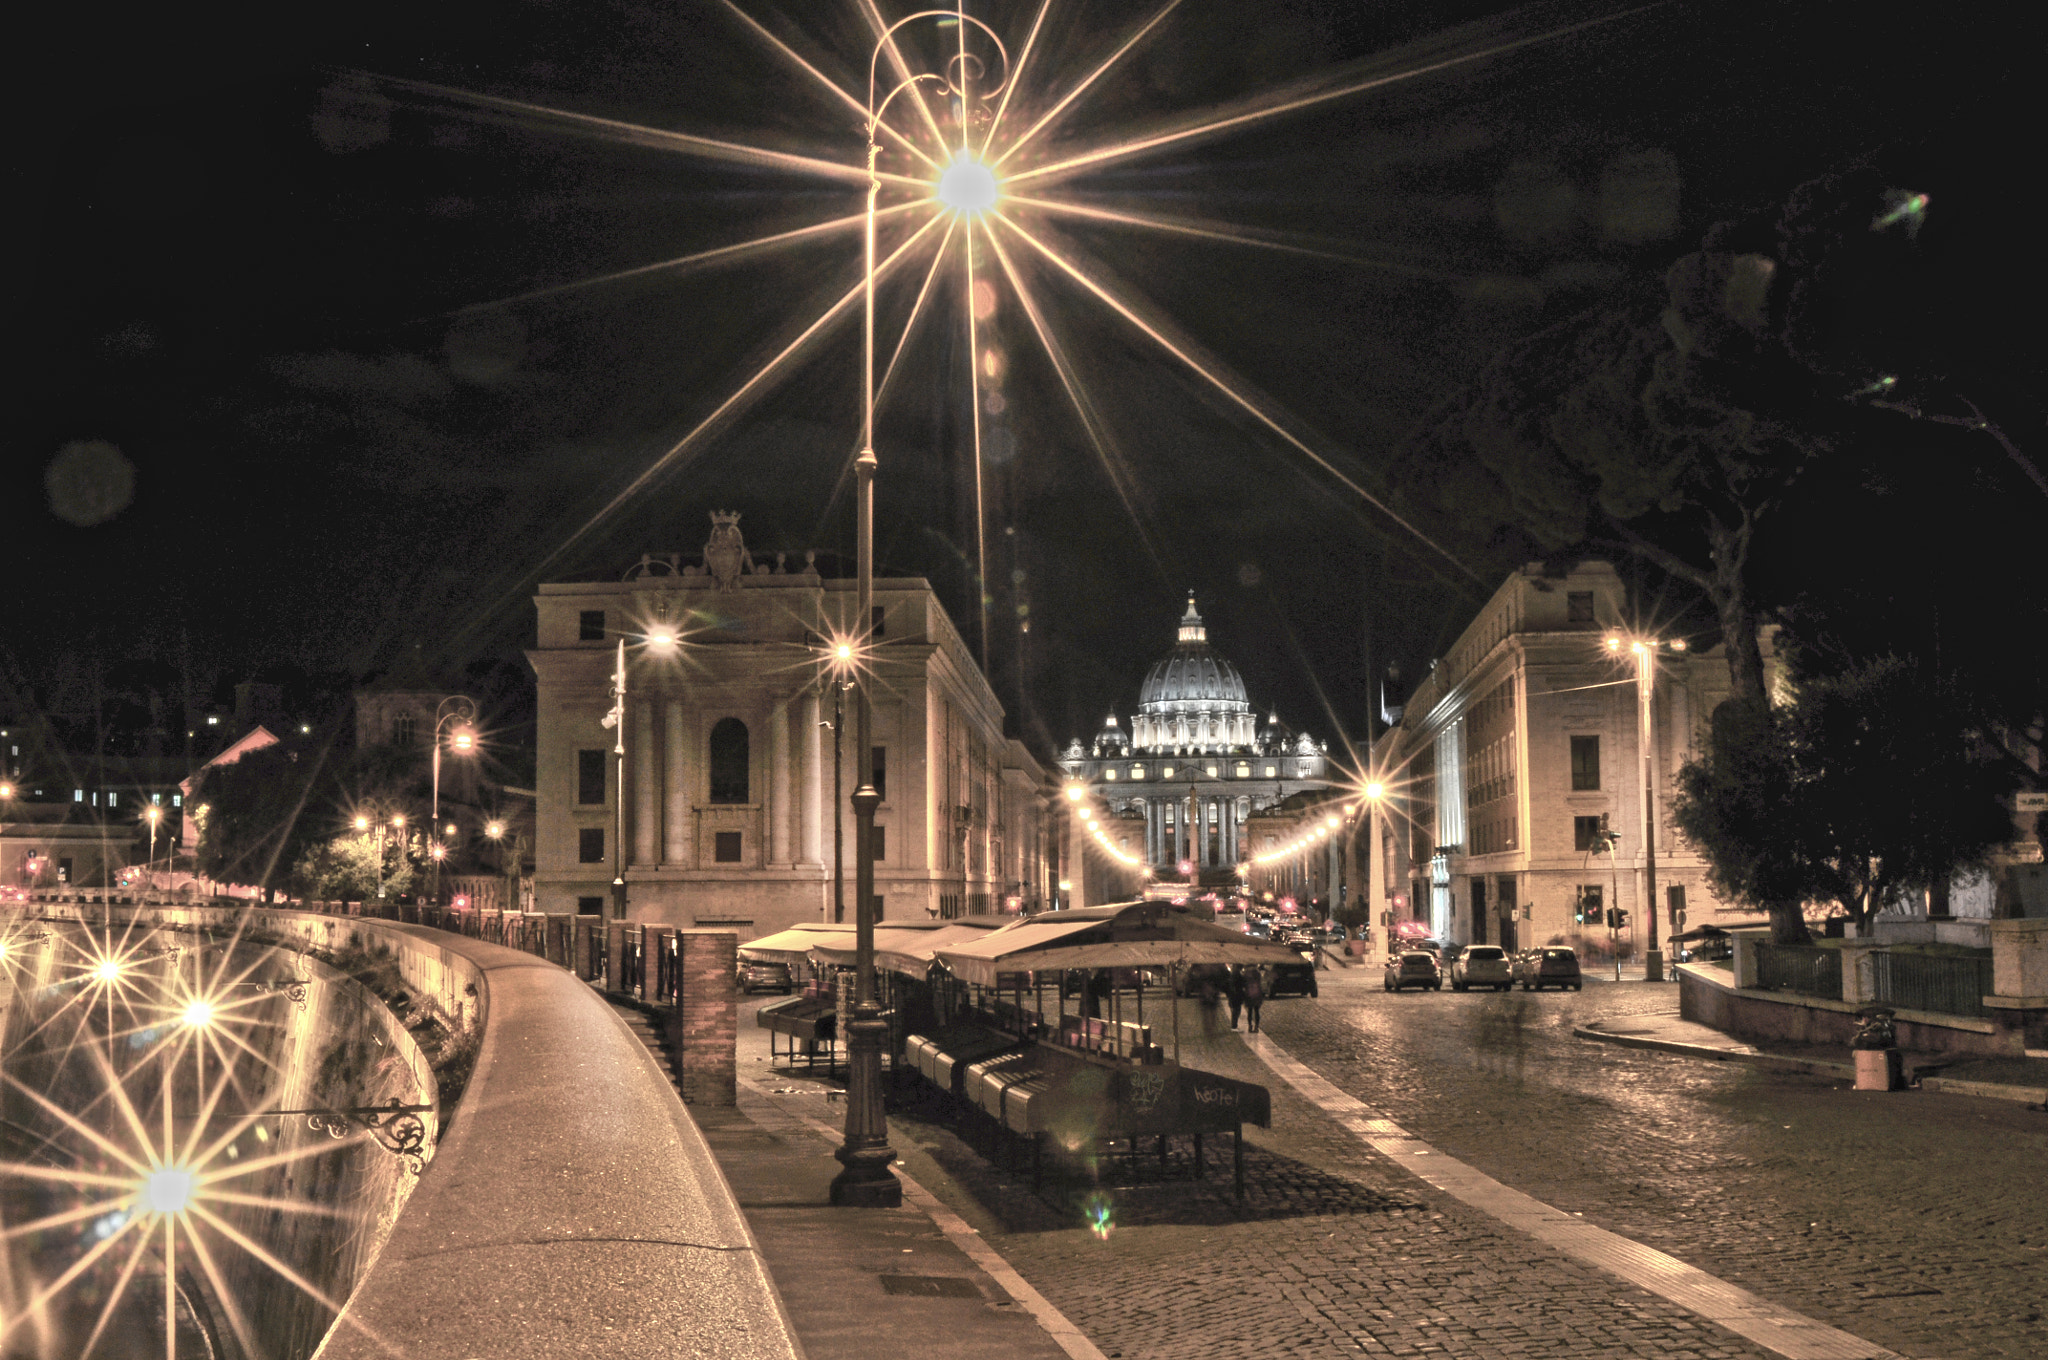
{"type": "Point", "coordinates": [1193, 700]}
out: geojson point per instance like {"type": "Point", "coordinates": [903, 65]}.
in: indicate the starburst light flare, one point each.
{"type": "Point", "coordinates": [938, 154]}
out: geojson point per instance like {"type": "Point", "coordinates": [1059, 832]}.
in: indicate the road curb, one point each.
{"type": "Point", "coordinates": [1819, 1067]}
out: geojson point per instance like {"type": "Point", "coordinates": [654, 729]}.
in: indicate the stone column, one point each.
{"type": "Point", "coordinates": [676, 790]}
{"type": "Point", "coordinates": [644, 758]}
{"type": "Point", "coordinates": [704, 1024]}
{"type": "Point", "coordinates": [810, 773]}
{"type": "Point", "coordinates": [777, 811]}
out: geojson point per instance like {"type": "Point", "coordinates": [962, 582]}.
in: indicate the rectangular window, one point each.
{"type": "Point", "coordinates": [1578, 606]}
{"type": "Point", "coordinates": [590, 906]}
{"type": "Point", "coordinates": [880, 909]}
{"type": "Point", "coordinates": [113, 799]}
{"type": "Point", "coordinates": [881, 843]}
{"type": "Point", "coordinates": [78, 795]}
{"type": "Point", "coordinates": [1585, 763]}
{"type": "Point", "coordinates": [875, 624]}
{"type": "Point", "coordinates": [882, 773]}
{"type": "Point", "coordinates": [404, 728]}
{"type": "Point", "coordinates": [1675, 895]}
{"type": "Point", "coordinates": [1586, 837]}
{"type": "Point", "coordinates": [156, 798]}
{"type": "Point", "coordinates": [590, 845]}
{"type": "Point", "coordinates": [725, 847]}
{"type": "Point", "coordinates": [590, 776]}
{"type": "Point", "coordinates": [590, 625]}
{"type": "Point", "coordinates": [177, 799]}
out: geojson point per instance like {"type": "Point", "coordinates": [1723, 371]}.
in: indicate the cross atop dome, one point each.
{"type": "Point", "coordinates": [1191, 629]}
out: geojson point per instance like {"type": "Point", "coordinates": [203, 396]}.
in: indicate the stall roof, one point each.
{"type": "Point", "coordinates": [1134, 935]}
{"type": "Point", "coordinates": [795, 944]}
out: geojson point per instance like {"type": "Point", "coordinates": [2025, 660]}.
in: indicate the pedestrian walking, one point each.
{"type": "Point", "coordinates": [1254, 997]}
{"type": "Point", "coordinates": [1233, 982]}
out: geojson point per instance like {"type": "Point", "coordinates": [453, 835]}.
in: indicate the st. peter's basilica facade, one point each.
{"type": "Point", "coordinates": [1181, 785]}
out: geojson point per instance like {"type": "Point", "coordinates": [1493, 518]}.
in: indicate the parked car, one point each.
{"type": "Point", "coordinates": [1414, 968]}
{"type": "Point", "coordinates": [1482, 965]}
{"type": "Point", "coordinates": [1291, 979]}
{"type": "Point", "coordinates": [1195, 974]}
{"type": "Point", "coordinates": [765, 977]}
{"type": "Point", "coordinates": [1330, 932]}
{"type": "Point", "coordinates": [1553, 965]}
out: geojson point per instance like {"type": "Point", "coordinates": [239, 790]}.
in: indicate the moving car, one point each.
{"type": "Point", "coordinates": [765, 977]}
{"type": "Point", "coordinates": [1414, 968]}
{"type": "Point", "coordinates": [1482, 965]}
{"type": "Point", "coordinates": [1291, 979]}
{"type": "Point", "coordinates": [1554, 965]}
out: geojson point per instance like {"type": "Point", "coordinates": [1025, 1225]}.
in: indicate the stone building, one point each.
{"type": "Point", "coordinates": [1517, 756]}
{"type": "Point", "coordinates": [730, 798]}
{"type": "Point", "coordinates": [1182, 787]}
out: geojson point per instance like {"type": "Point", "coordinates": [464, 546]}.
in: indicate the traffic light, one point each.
{"type": "Point", "coordinates": [1620, 918]}
{"type": "Point", "coordinates": [1579, 908]}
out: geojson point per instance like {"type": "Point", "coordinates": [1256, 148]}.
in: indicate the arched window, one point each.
{"type": "Point", "coordinates": [729, 760]}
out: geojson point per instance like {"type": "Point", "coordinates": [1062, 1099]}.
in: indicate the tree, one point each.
{"type": "Point", "coordinates": [346, 868]}
{"type": "Point", "coordinates": [262, 814]}
{"type": "Point", "coordinates": [1869, 786]}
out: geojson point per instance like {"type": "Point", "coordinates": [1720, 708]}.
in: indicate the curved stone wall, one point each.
{"type": "Point", "coordinates": [571, 1207]}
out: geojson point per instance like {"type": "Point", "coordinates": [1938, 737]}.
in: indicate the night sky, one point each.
{"type": "Point", "coordinates": [258, 256]}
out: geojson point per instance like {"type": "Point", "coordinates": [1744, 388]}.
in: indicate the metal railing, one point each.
{"type": "Point", "coordinates": [1801, 969]}
{"type": "Point", "coordinates": [1943, 983]}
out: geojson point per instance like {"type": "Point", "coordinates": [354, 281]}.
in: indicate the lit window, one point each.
{"type": "Point", "coordinates": [212, 720]}
{"type": "Point", "coordinates": [1166, 773]}
{"type": "Point", "coordinates": [1244, 771]}
{"type": "Point", "coordinates": [1137, 771]}
{"type": "Point", "coordinates": [1109, 774]}
{"type": "Point", "coordinates": [156, 798]}
{"type": "Point", "coordinates": [78, 795]}
{"type": "Point", "coordinates": [1270, 772]}
{"type": "Point", "coordinates": [177, 800]}
{"type": "Point", "coordinates": [112, 798]}
{"type": "Point", "coordinates": [1212, 772]}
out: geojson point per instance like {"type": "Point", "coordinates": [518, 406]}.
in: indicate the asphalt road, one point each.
{"type": "Point", "coordinates": [1914, 1220]}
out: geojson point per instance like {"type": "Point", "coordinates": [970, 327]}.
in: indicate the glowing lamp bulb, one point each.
{"type": "Point", "coordinates": [1073, 793]}
{"type": "Point", "coordinates": [494, 830]}
{"type": "Point", "coordinates": [1614, 644]}
{"type": "Point", "coordinates": [198, 1015]}
{"type": "Point", "coordinates": [1375, 790]}
{"type": "Point", "coordinates": [465, 741]}
{"type": "Point", "coordinates": [362, 823]}
{"type": "Point", "coordinates": [968, 186]}
{"type": "Point", "coordinates": [843, 652]}
{"type": "Point", "coordinates": [168, 1190]}
{"type": "Point", "coordinates": [108, 971]}
{"type": "Point", "coordinates": [661, 637]}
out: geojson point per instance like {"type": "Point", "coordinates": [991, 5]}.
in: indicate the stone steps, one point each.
{"type": "Point", "coordinates": [653, 1039]}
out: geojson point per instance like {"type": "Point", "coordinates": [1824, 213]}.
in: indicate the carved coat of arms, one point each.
{"type": "Point", "coordinates": [725, 553]}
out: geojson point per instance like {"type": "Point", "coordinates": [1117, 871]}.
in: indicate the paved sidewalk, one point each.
{"type": "Point", "coordinates": [2024, 1080]}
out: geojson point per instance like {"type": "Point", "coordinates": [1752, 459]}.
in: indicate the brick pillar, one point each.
{"type": "Point", "coordinates": [705, 1024]}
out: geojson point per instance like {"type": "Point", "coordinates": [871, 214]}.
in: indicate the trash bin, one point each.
{"type": "Point", "coordinates": [1879, 1069]}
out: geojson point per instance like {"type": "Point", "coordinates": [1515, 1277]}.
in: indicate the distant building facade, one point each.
{"type": "Point", "coordinates": [1195, 770]}
{"type": "Point", "coordinates": [729, 797]}
{"type": "Point", "coordinates": [1515, 758]}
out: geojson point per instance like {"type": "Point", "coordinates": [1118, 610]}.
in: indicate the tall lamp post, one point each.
{"type": "Point", "coordinates": [842, 666]}
{"type": "Point", "coordinates": [1644, 651]}
{"type": "Point", "coordinates": [152, 814]}
{"type": "Point", "coordinates": [965, 185]}
{"type": "Point", "coordinates": [459, 709]}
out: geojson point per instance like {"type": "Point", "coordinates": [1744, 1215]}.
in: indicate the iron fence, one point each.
{"type": "Point", "coordinates": [1943, 983]}
{"type": "Point", "coordinates": [1799, 968]}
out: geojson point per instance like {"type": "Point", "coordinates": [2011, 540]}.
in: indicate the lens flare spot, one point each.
{"type": "Point", "coordinates": [1101, 1215]}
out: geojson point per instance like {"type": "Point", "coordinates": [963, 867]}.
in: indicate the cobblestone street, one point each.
{"type": "Point", "coordinates": [1913, 1220]}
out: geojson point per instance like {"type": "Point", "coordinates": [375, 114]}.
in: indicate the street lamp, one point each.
{"type": "Point", "coordinates": [1644, 652]}
{"type": "Point", "coordinates": [152, 814]}
{"type": "Point", "coordinates": [841, 658]}
{"type": "Point", "coordinates": [459, 709]}
{"type": "Point", "coordinates": [865, 1178]}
